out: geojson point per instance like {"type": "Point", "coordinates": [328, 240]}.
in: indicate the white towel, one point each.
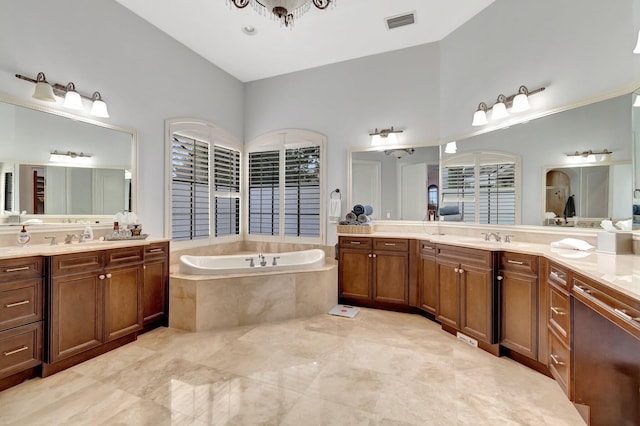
{"type": "Point", "coordinates": [335, 208]}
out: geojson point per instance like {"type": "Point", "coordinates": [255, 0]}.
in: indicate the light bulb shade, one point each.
{"type": "Point", "coordinates": [520, 103]}
{"type": "Point", "coordinates": [391, 139]}
{"type": "Point", "coordinates": [499, 111]}
{"type": "Point", "coordinates": [451, 147]}
{"type": "Point", "coordinates": [636, 103]}
{"type": "Point", "coordinates": [43, 90]}
{"type": "Point", "coordinates": [636, 50]}
{"type": "Point", "coordinates": [479, 118]}
{"type": "Point", "coordinates": [99, 107]}
{"type": "Point", "coordinates": [72, 99]}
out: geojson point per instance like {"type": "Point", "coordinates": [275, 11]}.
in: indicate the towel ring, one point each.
{"type": "Point", "coordinates": [336, 191]}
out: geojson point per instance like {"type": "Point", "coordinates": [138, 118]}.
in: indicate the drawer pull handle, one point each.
{"type": "Point", "coordinates": [623, 314]}
{"type": "Point", "coordinates": [428, 248]}
{"type": "Point", "coordinates": [24, 348]}
{"type": "Point", "coordinates": [582, 289]}
{"type": "Point", "coordinates": [515, 262]}
{"type": "Point", "coordinates": [557, 275]}
{"type": "Point", "coordinates": [355, 242]}
{"type": "Point", "coordinates": [21, 268]}
{"type": "Point", "coordinates": [389, 244]}
{"type": "Point", "coordinates": [11, 305]}
{"type": "Point", "coordinates": [555, 359]}
{"type": "Point", "coordinates": [557, 311]}
{"type": "Point", "coordinates": [155, 250]}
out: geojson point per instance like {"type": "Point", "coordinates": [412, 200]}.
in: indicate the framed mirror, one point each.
{"type": "Point", "coordinates": [54, 164]}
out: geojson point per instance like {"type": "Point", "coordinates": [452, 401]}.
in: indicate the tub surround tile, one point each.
{"type": "Point", "coordinates": [182, 304]}
{"type": "Point", "coordinates": [322, 370]}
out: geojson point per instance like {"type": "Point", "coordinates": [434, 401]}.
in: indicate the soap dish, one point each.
{"type": "Point", "coordinates": [118, 238]}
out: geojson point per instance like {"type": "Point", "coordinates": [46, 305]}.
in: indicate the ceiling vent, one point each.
{"type": "Point", "coordinates": [401, 20]}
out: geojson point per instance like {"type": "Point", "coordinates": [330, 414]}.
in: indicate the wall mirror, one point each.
{"type": "Point", "coordinates": [542, 144]}
{"type": "Point", "coordinates": [400, 184]}
{"type": "Point", "coordinates": [91, 171]}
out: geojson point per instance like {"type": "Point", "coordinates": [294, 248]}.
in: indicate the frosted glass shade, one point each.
{"type": "Point", "coordinates": [451, 147]}
{"type": "Point", "coordinates": [636, 103]}
{"type": "Point", "coordinates": [99, 109]}
{"type": "Point", "coordinates": [376, 140]}
{"type": "Point", "coordinates": [44, 92]}
{"type": "Point", "coordinates": [636, 50]}
{"type": "Point", "coordinates": [73, 100]}
{"type": "Point", "coordinates": [479, 118]}
{"type": "Point", "coordinates": [499, 111]}
{"type": "Point", "coordinates": [520, 103]}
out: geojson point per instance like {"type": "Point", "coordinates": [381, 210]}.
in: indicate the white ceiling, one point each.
{"type": "Point", "coordinates": [346, 30]}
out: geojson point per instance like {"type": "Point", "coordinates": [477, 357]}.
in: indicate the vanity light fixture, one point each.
{"type": "Point", "coordinates": [46, 91]}
{"type": "Point", "coordinates": [518, 102]}
{"type": "Point", "coordinates": [384, 136]}
{"type": "Point", "coordinates": [69, 157]}
{"type": "Point", "coordinates": [591, 156]}
{"type": "Point", "coordinates": [400, 152]}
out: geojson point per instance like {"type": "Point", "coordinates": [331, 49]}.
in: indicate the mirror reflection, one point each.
{"type": "Point", "coordinates": [56, 165]}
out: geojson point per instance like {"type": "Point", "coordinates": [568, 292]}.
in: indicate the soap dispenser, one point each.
{"type": "Point", "coordinates": [87, 235]}
{"type": "Point", "coordinates": [23, 236]}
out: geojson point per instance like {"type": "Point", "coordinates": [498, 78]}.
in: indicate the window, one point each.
{"type": "Point", "coordinates": [190, 188]}
{"type": "Point", "coordinates": [8, 191]}
{"type": "Point", "coordinates": [285, 187]}
{"type": "Point", "coordinates": [205, 177]}
{"type": "Point", "coordinates": [484, 186]}
{"type": "Point", "coordinates": [226, 186]}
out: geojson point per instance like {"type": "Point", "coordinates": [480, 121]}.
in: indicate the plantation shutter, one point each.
{"type": "Point", "coordinates": [226, 184]}
{"type": "Point", "coordinates": [302, 192]}
{"type": "Point", "coordinates": [264, 192]}
{"type": "Point", "coordinates": [190, 188]}
{"type": "Point", "coordinates": [497, 193]}
{"type": "Point", "coordinates": [458, 189]}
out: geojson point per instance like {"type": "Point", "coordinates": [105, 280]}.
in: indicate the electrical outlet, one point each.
{"type": "Point", "coordinates": [466, 339]}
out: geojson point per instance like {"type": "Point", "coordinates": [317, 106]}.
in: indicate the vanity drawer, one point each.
{"type": "Point", "coordinates": [558, 275]}
{"type": "Point", "coordinates": [356, 242]}
{"type": "Point", "coordinates": [559, 362]}
{"type": "Point", "coordinates": [19, 268]}
{"type": "Point", "coordinates": [559, 313]}
{"type": "Point", "coordinates": [517, 262]}
{"type": "Point", "coordinates": [467, 256]}
{"type": "Point", "coordinates": [77, 262]}
{"type": "Point", "coordinates": [156, 251]}
{"type": "Point", "coordinates": [20, 348]}
{"type": "Point", "coordinates": [390, 244]}
{"type": "Point", "coordinates": [125, 256]}
{"type": "Point", "coordinates": [427, 248]}
{"type": "Point", "coordinates": [20, 303]}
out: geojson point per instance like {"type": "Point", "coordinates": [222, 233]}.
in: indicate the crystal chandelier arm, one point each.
{"type": "Point", "coordinates": [321, 4]}
{"type": "Point", "coordinates": [241, 3]}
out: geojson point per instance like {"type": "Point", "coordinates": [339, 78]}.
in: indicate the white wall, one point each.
{"type": "Point", "coordinates": [144, 76]}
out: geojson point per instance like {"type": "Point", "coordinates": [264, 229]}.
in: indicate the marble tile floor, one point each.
{"type": "Point", "coordinates": [379, 368]}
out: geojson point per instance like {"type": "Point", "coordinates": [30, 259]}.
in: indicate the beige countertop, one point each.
{"type": "Point", "coordinates": [11, 252]}
{"type": "Point", "coordinates": [620, 272]}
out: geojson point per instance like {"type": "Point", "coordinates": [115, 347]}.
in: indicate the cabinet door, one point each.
{"type": "Point", "coordinates": [154, 294]}
{"type": "Point", "coordinates": [448, 293]}
{"type": "Point", "coordinates": [355, 274]}
{"type": "Point", "coordinates": [391, 277]}
{"type": "Point", "coordinates": [518, 313]}
{"type": "Point", "coordinates": [428, 284]}
{"type": "Point", "coordinates": [76, 313]}
{"type": "Point", "coordinates": [123, 301]}
{"type": "Point", "coordinates": [476, 302]}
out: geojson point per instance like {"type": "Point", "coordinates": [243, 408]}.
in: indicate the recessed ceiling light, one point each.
{"type": "Point", "coordinates": [249, 30]}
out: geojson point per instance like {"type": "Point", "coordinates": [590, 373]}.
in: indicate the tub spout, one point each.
{"type": "Point", "coordinates": [251, 264]}
{"type": "Point", "coordinates": [263, 262]}
{"type": "Point", "coordinates": [274, 263]}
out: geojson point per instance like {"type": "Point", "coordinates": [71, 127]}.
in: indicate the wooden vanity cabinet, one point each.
{"type": "Point", "coordinates": [467, 296]}
{"type": "Point", "coordinates": [428, 278]}
{"type": "Point", "coordinates": [518, 287]}
{"type": "Point", "coordinates": [21, 317]}
{"type": "Point", "coordinates": [95, 298]}
{"type": "Point", "coordinates": [155, 293]}
{"type": "Point", "coordinates": [374, 272]}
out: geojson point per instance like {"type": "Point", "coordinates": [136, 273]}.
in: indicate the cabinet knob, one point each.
{"type": "Point", "coordinates": [101, 276]}
{"type": "Point", "coordinates": [460, 271]}
{"type": "Point", "coordinates": [108, 275]}
{"type": "Point", "coordinates": [499, 277]}
{"type": "Point", "coordinates": [456, 270]}
{"type": "Point", "coordinates": [375, 255]}
{"type": "Point", "coordinates": [370, 255]}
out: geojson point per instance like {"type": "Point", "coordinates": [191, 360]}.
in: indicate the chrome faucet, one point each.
{"type": "Point", "coordinates": [53, 240]}
{"type": "Point", "coordinates": [251, 264]}
{"type": "Point", "coordinates": [69, 238]}
{"type": "Point", "coordinates": [263, 262]}
{"type": "Point", "coordinates": [487, 236]}
{"type": "Point", "coordinates": [274, 263]}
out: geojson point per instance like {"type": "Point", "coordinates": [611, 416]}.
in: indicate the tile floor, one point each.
{"type": "Point", "coordinates": [379, 368]}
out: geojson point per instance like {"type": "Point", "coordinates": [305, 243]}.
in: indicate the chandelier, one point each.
{"type": "Point", "coordinates": [284, 11]}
